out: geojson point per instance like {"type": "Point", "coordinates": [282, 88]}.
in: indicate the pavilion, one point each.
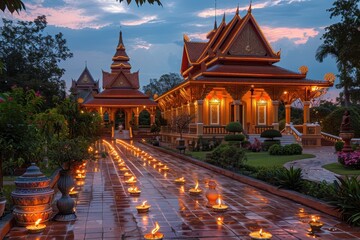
{"type": "Point", "coordinates": [121, 96]}
{"type": "Point", "coordinates": [232, 77]}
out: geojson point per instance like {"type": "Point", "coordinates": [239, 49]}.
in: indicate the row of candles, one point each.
{"type": "Point", "coordinates": [218, 206]}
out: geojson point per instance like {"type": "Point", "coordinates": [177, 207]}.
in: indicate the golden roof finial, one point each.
{"type": "Point", "coordinates": [223, 17]}
{"type": "Point", "coordinates": [237, 10]}
{"type": "Point", "coordinates": [249, 10]}
{"type": "Point", "coordinates": [186, 38]}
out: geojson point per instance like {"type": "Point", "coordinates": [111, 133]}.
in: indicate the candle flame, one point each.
{"type": "Point", "coordinates": [219, 200]}
{"type": "Point", "coordinates": [143, 204]}
{"type": "Point", "coordinates": [37, 222]}
{"type": "Point", "coordinates": [131, 179]}
{"type": "Point", "coordinates": [181, 179]}
{"type": "Point", "coordinates": [260, 232]}
{"type": "Point", "coordinates": [197, 185]}
{"type": "Point", "coordinates": [156, 229]}
{"type": "Point", "coordinates": [72, 189]}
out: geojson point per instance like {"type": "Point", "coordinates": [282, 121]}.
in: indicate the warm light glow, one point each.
{"type": "Point", "coordinates": [197, 185]}
{"type": "Point", "coordinates": [314, 88]}
{"type": "Point", "coordinates": [156, 229]}
{"type": "Point", "coordinates": [144, 203]}
{"type": "Point", "coordinates": [260, 232]}
{"type": "Point", "coordinates": [219, 201]}
{"type": "Point", "coordinates": [214, 100]}
{"type": "Point", "coordinates": [37, 222]}
{"type": "Point", "coordinates": [72, 189]}
{"type": "Point", "coordinates": [285, 92]}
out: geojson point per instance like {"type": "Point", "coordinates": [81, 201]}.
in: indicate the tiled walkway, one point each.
{"type": "Point", "coordinates": [105, 211]}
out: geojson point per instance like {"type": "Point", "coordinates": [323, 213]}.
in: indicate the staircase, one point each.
{"type": "Point", "coordinates": [284, 140]}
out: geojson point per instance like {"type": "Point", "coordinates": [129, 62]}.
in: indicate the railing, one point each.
{"type": "Point", "coordinates": [292, 130]}
{"type": "Point", "coordinates": [260, 128]}
{"type": "Point", "coordinates": [215, 130]}
{"type": "Point", "coordinates": [192, 128]}
{"type": "Point", "coordinates": [330, 137]}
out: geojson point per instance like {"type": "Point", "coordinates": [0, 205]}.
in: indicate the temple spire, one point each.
{"type": "Point", "coordinates": [120, 59]}
{"type": "Point", "coordinates": [121, 43]}
{"type": "Point", "coordinates": [237, 10]}
{"type": "Point", "coordinates": [223, 17]}
{"type": "Point", "coordinates": [249, 10]}
{"type": "Point", "coordinates": [215, 25]}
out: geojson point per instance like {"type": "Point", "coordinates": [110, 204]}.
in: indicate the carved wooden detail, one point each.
{"type": "Point", "coordinates": [236, 91]}
{"type": "Point", "coordinates": [199, 92]}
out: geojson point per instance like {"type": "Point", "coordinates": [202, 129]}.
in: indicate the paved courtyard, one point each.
{"type": "Point", "coordinates": [106, 211]}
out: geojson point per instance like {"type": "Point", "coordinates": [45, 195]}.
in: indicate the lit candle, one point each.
{"type": "Point", "coordinates": [180, 180]}
{"type": "Point", "coordinates": [260, 235]}
{"type": "Point", "coordinates": [155, 234]}
{"type": "Point", "coordinates": [220, 207]}
{"type": "Point", "coordinates": [80, 176]}
{"type": "Point", "coordinates": [196, 190]}
{"type": "Point", "coordinates": [165, 168]}
{"type": "Point", "coordinates": [127, 174]}
{"type": "Point", "coordinates": [315, 224]}
{"type": "Point", "coordinates": [134, 191]}
{"type": "Point", "coordinates": [160, 164]}
{"type": "Point", "coordinates": [36, 228]}
{"type": "Point", "coordinates": [73, 192]}
{"type": "Point", "coordinates": [131, 180]}
{"type": "Point", "coordinates": [124, 169]}
{"type": "Point", "coordinates": [143, 208]}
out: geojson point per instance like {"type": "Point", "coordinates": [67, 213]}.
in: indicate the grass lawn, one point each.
{"type": "Point", "coordinates": [198, 155]}
{"type": "Point", "coordinates": [340, 169]}
{"type": "Point", "coordinates": [264, 159]}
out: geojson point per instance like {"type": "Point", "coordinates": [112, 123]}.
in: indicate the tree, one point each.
{"type": "Point", "coordinates": [12, 5]}
{"type": "Point", "coordinates": [341, 42]}
{"type": "Point", "coordinates": [141, 2]}
{"type": "Point", "coordinates": [164, 84]}
{"type": "Point", "coordinates": [181, 122]}
{"type": "Point", "coordinates": [31, 58]}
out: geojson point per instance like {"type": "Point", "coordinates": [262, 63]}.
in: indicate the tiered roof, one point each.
{"type": "Point", "coordinates": [120, 85]}
{"type": "Point", "coordinates": [85, 86]}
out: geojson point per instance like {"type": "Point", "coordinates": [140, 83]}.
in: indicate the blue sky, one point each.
{"type": "Point", "coordinates": [153, 35]}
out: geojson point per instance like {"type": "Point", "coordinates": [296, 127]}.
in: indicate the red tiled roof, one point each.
{"type": "Point", "coordinates": [104, 102]}
{"type": "Point", "coordinates": [121, 94]}
{"type": "Point", "coordinates": [195, 49]}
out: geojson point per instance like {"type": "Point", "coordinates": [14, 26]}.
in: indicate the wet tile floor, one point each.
{"type": "Point", "coordinates": [106, 211]}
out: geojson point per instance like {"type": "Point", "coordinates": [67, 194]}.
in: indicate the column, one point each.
{"type": "Point", "coordinates": [112, 120]}
{"type": "Point", "coordinates": [199, 117]}
{"type": "Point", "coordinates": [236, 110]}
{"type": "Point", "coordinates": [275, 105]}
{"type": "Point", "coordinates": [306, 116]}
{"type": "Point", "coordinates": [152, 116]}
{"type": "Point", "coordinates": [287, 115]}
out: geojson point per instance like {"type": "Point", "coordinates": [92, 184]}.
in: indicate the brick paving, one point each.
{"type": "Point", "coordinates": [106, 211]}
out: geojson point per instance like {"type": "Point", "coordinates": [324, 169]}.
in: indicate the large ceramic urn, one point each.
{"type": "Point", "coordinates": [32, 197]}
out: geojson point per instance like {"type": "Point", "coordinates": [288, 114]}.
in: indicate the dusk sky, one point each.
{"type": "Point", "coordinates": [153, 35]}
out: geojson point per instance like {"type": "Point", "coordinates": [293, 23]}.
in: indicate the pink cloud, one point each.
{"type": "Point", "coordinates": [68, 17]}
{"type": "Point", "coordinates": [143, 20]}
{"type": "Point", "coordinates": [297, 35]}
{"type": "Point", "coordinates": [198, 36]}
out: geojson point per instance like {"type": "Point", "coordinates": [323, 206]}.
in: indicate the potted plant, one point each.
{"type": "Point", "coordinates": [179, 124]}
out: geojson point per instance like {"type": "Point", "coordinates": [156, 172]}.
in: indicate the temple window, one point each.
{"type": "Point", "coordinates": [261, 112]}
{"type": "Point", "coordinates": [214, 111]}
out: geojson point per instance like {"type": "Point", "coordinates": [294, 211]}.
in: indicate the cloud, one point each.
{"type": "Point", "coordinates": [69, 17]}
{"type": "Point", "coordinates": [143, 20]}
{"type": "Point", "coordinates": [141, 44]}
{"type": "Point", "coordinates": [112, 6]}
{"type": "Point", "coordinates": [198, 36]}
{"type": "Point", "coordinates": [297, 35]}
{"type": "Point", "coordinates": [209, 12]}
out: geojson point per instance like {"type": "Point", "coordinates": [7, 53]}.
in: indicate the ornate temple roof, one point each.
{"type": "Point", "coordinates": [121, 87]}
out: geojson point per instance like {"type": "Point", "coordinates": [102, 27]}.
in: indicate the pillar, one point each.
{"type": "Point", "coordinates": [112, 120]}
{"type": "Point", "coordinates": [306, 111]}
{"type": "Point", "coordinates": [275, 106]}
{"type": "Point", "coordinates": [287, 113]}
{"type": "Point", "coordinates": [236, 111]}
{"type": "Point", "coordinates": [199, 112]}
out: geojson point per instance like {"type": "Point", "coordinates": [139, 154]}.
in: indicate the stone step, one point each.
{"type": "Point", "coordinates": [284, 140]}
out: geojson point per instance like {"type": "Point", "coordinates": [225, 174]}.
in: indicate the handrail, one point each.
{"type": "Point", "coordinates": [330, 137]}
{"type": "Point", "coordinates": [295, 132]}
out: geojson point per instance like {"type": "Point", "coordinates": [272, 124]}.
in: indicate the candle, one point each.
{"type": "Point", "coordinates": [155, 234]}
{"type": "Point", "coordinates": [124, 169]}
{"type": "Point", "coordinates": [160, 164]}
{"type": "Point", "coordinates": [134, 191]}
{"type": "Point", "coordinates": [73, 193]}
{"type": "Point", "coordinates": [180, 180]}
{"type": "Point", "coordinates": [36, 228]}
{"type": "Point", "coordinates": [220, 207]}
{"type": "Point", "coordinates": [131, 180]}
{"type": "Point", "coordinates": [143, 208]}
{"type": "Point", "coordinates": [127, 174]}
{"type": "Point", "coordinates": [315, 224]}
{"type": "Point", "coordinates": [196, 190]}
{"type": "Point", "coordinates": [260, 235]}
{"type": "Point", "coordinates": [165, 168]}
{"type": "Point", "coordinates": [80, 176]}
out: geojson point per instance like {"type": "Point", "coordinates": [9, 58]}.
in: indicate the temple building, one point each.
{"type": "Point", "coordinates": [121, 102]}
{"type": "Point", "coordinates": [85, 87]}
{"type": "Point", "coordinates": [232, 77]}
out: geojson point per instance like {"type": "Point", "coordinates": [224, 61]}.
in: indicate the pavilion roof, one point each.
{"type": "Point", "coordinates": [123, 102]}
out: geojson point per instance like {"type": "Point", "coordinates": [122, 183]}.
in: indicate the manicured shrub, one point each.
{"type": "Point", "coordinates": [234, 127]}
{"type": "Point", "coordinates": [291, 149]}
{"type": "Point", "coordinates": [246, 144]}
{"type": "Point", "coordinates": [268, 143]}
{"type": "Point", "coordinates": [268, 175]}
{"type": "Point", "coordinates": [270, 133]}
{"type": "Point", "coordinates": [347, 199]}
{"type": "Point", "coordinates": [236, 137]}
{"type": "Point", "coordinates": [227, 156]}
{"type": "Point", "coordinates": [321, 190]}
{"type": "Point", "coordinates": [339, 146]}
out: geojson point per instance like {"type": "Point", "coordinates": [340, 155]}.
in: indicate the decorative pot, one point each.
{"type": "Point", "coordinates": [65, 204]}
{"type": "Point", "coordinates": [211, 194]}
{"type": "Point", "coordinates": [32, 197]}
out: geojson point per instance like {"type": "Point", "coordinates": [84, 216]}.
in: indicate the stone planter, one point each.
{"type": "Point", "coordinates": [32, 197]}
{"type": "Point", "coordinates": [65, 204]}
